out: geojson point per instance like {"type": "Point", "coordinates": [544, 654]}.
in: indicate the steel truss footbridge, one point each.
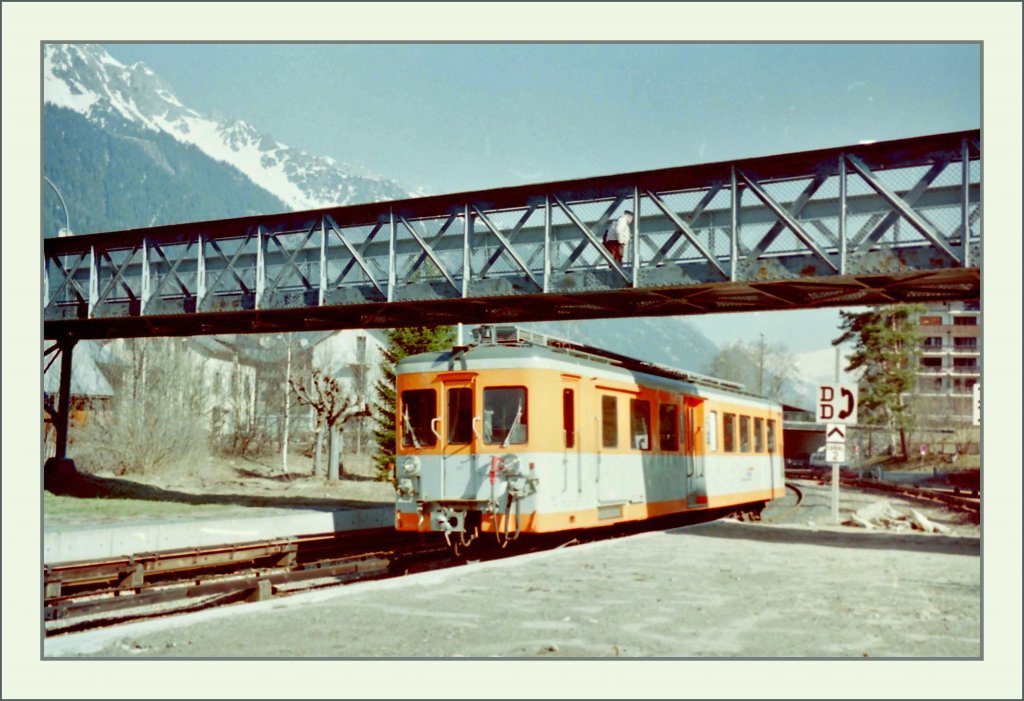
{"type": "Point", "coordinates": [867, 224]}
{"type": "Point", "coordinates": [872, 223]}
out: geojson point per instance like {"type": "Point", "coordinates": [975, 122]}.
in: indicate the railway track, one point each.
{"type": "Point", "coordinates": [947, 497]}
{"type": "Point", "coordinates": [90, 594]}
{"type": "Point", "coordinates": [101, 593]}
{"type": "Point", "coordinates": [798, 500]}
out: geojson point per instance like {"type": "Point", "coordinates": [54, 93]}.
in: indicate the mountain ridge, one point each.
{"type": "Point", "coordinates": [84, 78]}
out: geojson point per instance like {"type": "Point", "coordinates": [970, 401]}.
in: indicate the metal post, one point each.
{"type": "Point", "coordinates": [547, 242]}
{"type": "Point", "coordinates": [636, 236]}
{"type": "Point", "coordinates": [200, 271]}
{"type": "Point", "coordinates": [835, 465]}
{"type": "Point", "coordinates": [261, 266]}
{"type": "Point", "coordinates": [287, 404]}
{"type": "Point", "coordinates": [144, 288]}
{"type": "Point", "coordinates": [734, 237]}
{"type": "Point", "coordinates": [323, 262]}
{"type": "Point", "coordinates": [94, 279]}
{"type": "Point", "coordinates": [965, 238]}
{"type": "Point", "coordinates": [842, 218]}
{"type": "Point", "coordinates": [760, 365]}
{"type": "Point", "coordinates": [392, 263]}
{"type": "Point", "coordinates": [64, 399]}
{"type": "Point", "coordinates": [467, 233]}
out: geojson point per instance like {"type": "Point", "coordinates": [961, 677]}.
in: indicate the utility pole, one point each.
{"type": "Point", "coordinates": [835, 465]}
{"type": "Point", "coordinates": [760, 377]}
{"type": "Point", "coordinates": [287, 404]}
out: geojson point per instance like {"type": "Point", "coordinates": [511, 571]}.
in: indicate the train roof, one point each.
{"type": "Point", "coordinates": [506, 343]}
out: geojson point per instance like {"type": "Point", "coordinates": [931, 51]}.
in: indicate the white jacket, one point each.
{"type": "Point", "coordinates": [620, 231]}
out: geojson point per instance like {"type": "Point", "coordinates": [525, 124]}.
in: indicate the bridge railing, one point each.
{"type": "Point", "coordinates": [890, 208]}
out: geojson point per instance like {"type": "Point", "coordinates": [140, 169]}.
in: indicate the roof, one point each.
{"type": "Point", "coordinates": [87, 380]}
{"type": "Point", "coordinates": [533, 350]}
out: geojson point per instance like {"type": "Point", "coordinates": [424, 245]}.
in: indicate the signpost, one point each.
{"type": "Point", "coordinates": [837, 408]}
{"type": "Point", "coordinates": [835, 443]}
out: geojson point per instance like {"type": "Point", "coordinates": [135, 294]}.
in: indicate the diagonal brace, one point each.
{"type": "Point", "coordinates": [423, 256]}
{"type": "Point", "coordinates": [599, 225]}
{"type": "Point", "coordinates": [505, 244]}
{"type": "Point", "coordinates": [589, 235]}
{"type": "Point", "coordinates": [357, 258]}
{"type": "Point", "coordinates": [172, 270]}
{"type": "Point", "coordinates": [230, 268]}
{"type": "Point", "coordinates": [785, 217]}
{"type": "Point", "coordinates": [362, 250]}
{"type": "Point", "coordinates": [68, 279]}
{"type": "Point", "coordinates": [290, 260]}
{"type": "Point", "coordinates": [118, 274]}
{"type": "Point", "coordinates": [429, 251]}
{"type": "Point", "coordinates": [666, 247]}
{"type": "Point", "coordinates": [515, 230]}
{"type": "Point", "coordinates": [684, 229]}
{"type": "Point", "coordinates": [880, 224]}
{"type": "Point", "coordinates": [794, 210]}
{"type": "Point", "coordinates": [922, 226]}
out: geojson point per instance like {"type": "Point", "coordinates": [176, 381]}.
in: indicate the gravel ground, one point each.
{"type": "Point", "coordinates": [724, 589]}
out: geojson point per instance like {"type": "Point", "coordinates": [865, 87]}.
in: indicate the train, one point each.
{"type": "Point", "coordinates": [519, 433]}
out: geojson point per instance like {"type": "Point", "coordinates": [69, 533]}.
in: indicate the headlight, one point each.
{"type": "Point", "coordinates": [411, 466]}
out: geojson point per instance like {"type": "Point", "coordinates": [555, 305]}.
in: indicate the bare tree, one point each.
{"type": "Point", "coordinates": [333, 406]}
{"type": "Point", "coordinates": [757, 367]}
{"type": "Point", "coordinates": [156, 417]}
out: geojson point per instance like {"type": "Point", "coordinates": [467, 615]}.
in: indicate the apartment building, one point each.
{"type": "Point", "coordinates": [950, 363]}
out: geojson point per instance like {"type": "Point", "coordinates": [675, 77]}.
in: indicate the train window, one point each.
{"type": "Point", "coordinates": [609, 422]}
{"type": "Point", "coordinates": [771, 435]}
{"type": "Point", "coordinates": [640, 424]}
{"type": "Point", "coordinates": [460, 415]}
{"type": "Point", "coordinates": [758, 435]}
{"type": "Point", "coordinates": [729, 433]}
{"type": "Point", "coordinates": [668, 423]}
{"type": "Point", "coordinates": [744, 434]}
{"type": "Point", "coordinates": [569, 417]}
{"type": "Point", "coordinates": [712, 426]}
{"type": "Point", "coordinates": [505, 415]}
{"type": "Point", "coordinates": [419, 408]}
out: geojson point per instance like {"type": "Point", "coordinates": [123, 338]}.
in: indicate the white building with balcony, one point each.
{"type": "Point", "coordinates": [949, 365]}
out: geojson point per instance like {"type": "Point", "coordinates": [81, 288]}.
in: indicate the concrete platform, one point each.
{"type": "Point", "coordinates": [70, 542]}
{"type": "Point", "coordinates": [723, 589]}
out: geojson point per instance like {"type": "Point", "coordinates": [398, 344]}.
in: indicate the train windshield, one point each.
{"type": "Point", "coordinates": [419, 408]}
{"type": "Point", "coordinates": [505, 417]}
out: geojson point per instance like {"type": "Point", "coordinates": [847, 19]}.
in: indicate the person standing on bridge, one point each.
{"type": "Point", "coordinates": [616, 238]}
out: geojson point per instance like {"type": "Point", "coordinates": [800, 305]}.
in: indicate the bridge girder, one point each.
{"type": "Point", "coordinates": [866, 224]}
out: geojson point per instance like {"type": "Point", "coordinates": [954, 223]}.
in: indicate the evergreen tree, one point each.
{"type": "Point", "coordinates": [401, 343]}
{"type": "Point", "coordinates": [886, 350]}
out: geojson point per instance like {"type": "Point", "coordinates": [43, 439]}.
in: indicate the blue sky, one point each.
{"type": "Point", "coordinates": [454, 117]}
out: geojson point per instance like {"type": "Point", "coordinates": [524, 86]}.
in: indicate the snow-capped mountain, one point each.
{"type": "Point", "coordinates": [86, 79]}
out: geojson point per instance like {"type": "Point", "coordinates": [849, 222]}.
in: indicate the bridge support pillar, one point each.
{"type": "Point", "coordinates": [60, 466]}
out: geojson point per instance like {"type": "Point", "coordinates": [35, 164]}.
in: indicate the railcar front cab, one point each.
{"type": "Point", "coordinates": [459, 465]}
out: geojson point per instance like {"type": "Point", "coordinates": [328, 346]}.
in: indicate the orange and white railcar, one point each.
{"type": "Point", "coordinates": [521, 433]}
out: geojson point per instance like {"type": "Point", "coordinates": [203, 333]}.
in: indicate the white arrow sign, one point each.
{"type": "Point", "coordinates": [837, 404]}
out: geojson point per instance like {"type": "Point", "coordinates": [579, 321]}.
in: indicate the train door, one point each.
{"type": "Point", "coordinates": [694, 428]}
{"type": "Point", "coordinates": [572, 463]}
{"type": "Point", "coordinates": [459, 478]}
